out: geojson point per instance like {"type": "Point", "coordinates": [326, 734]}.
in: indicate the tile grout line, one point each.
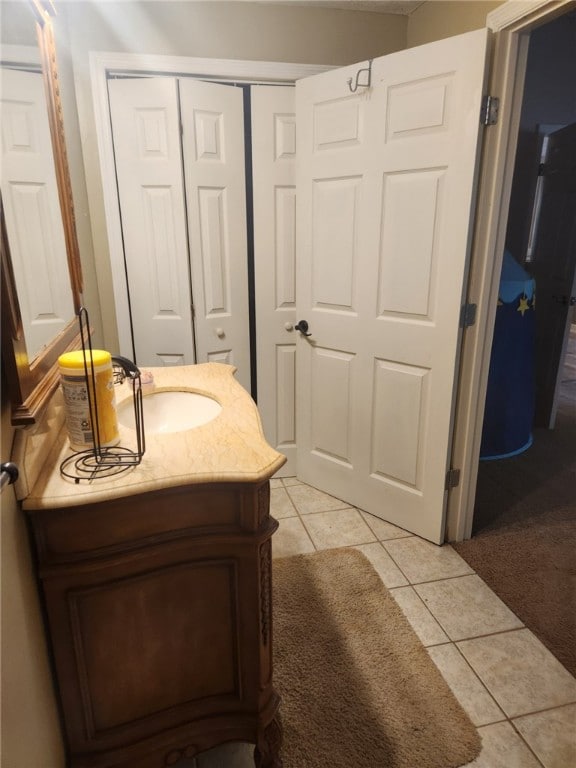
{"type": "Point", "coordinates": [484, 686]}
{"type": "Point", "coordinates": [516, 731]}
{"type": "Point", "coordinates": [299, 514]}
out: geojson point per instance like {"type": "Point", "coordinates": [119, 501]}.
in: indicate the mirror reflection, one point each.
{"type": "Point", "coordinates": [29, 188]}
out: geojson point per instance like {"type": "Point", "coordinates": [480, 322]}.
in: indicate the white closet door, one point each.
{"type": "Point", "coordinates": [32, 210]}
{"type": "Point", "coordinates": [145, 124]}
{"type": "Point", "coordinates": [386, 180]}
{"type": "Point", "coordinates": [274, 185]}
{"type": "Point", "coordinates": [213, 147]}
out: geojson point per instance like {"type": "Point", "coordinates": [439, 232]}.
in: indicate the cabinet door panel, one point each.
{"type": "Point", "coordinates": [128, 674]}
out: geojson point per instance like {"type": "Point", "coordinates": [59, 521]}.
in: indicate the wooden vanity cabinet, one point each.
{"type": "Point", "coordinates": [159, 615]}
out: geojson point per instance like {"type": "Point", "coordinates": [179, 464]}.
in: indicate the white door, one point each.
{"type": "Point", "coordinates": [32, 210]}
{"type": "Point", "coordinates": [213, 147]}
{"type": "Point", "coordinates": [385, 180]}
{"type": "Point", "coordinates": [274, 194]}
{"type": "Point", "coordinates": [146, 129]}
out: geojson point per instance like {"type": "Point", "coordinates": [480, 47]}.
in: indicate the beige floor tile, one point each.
{"type": "Point", "coordinates": [291, 538]}
{"type": "Point", "coordinates": [503, 748]}
{"type": "Point", "coordinates": [472, 695]}
{"type": "Point", "coordinates": [339, 528]}
{"type": "Point", "coordinates": [290, 481]}
{"type": "Point", "coordinates": [422, 621]}
{"type": "Point", "coordinates": [309, 500]}
{"type": "Point", "coordinates": [276, 482]}
{"type": "Point", "coordinates": [384, 530]}
{"type": "Point", "coordinates": [420, 560]}
{"type": "Point", "coordinates": [386, 568]}
{"type": "Point", "coordinates": [466, 607]}
{"type": "Point", "coordinates": [551, 735]}
{"type": "Point", "coordinates": [520, 673]}
{"type": "Point", "coordinates": [280, 504]}
{"type": "Point", "coordinates": [234, 755]}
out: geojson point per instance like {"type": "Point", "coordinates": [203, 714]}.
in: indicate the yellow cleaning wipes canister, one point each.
{"type": "Point", "coordinates": [79, 398]}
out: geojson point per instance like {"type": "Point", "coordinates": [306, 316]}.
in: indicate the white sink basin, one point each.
{"type": "Point", "coordinates": [171, 411]}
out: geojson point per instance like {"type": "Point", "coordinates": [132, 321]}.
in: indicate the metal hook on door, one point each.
{"type": "Point", "coordinates": [357, 83]}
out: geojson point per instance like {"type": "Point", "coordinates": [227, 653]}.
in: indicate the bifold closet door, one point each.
{"type": "Point", "coordinates": [214, 172]}
{"type": "Point", "coordinates": [146, 130]}
{"type": "Point", "coordinates": [179, 146]}
{"type": "Point", "coordinates": [274, 185]}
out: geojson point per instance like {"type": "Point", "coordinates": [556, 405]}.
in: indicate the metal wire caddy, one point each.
{"type": "Point", "coordinates": [102, 462]}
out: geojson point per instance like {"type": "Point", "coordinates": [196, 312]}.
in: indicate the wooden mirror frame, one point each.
{"type": "Point", "coordinates": [31, 383]}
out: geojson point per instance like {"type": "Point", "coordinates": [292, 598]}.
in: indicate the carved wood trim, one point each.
{"type": "Point", "coordinates": [175, 755]}
{"type": "Point", "coordinates": [265, 590]}
{"type": "Point", "coordinates": [47, 47]}
{"type": "Point", "coordinates": [268, 748]}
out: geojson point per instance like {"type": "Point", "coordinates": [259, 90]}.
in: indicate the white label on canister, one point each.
{"type": "Point", "coordinates": [78, 422]}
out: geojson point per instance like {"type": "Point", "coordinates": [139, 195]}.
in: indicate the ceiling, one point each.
{"type": "Point", "coordinates": [403, 7]}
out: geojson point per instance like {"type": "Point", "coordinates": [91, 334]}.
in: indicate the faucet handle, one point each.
{"type": "Point", "coordinates": [123, 368]}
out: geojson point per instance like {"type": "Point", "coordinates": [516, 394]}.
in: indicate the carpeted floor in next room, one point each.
{"type": "Point", "coordinates": [524, 540]}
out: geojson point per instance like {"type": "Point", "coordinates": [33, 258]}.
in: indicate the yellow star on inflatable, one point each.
{"type": "Point", "coordinates": [523, 306]}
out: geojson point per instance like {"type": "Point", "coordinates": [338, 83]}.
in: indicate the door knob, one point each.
{"type": "Point", "coordinates": [220, 333]}
{"type": "Point", "coordinates": [302, 326]}
{"type": "Point", "coordinates": [289, 326]}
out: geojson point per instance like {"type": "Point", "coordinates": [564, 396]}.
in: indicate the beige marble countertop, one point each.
{"type": "Point", "coordinates": [230, 448]}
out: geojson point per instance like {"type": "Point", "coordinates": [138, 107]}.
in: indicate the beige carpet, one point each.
{"type": "Point", "coordinates": [358, 688]}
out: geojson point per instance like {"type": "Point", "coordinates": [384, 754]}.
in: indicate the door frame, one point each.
{"type": "Point", "coordinates": [511, 24]}
{"type": "Point", "coordinates": [104, 64]}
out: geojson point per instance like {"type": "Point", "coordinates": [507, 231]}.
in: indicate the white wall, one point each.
{"type": "Point", "coordinates": [437, 19]}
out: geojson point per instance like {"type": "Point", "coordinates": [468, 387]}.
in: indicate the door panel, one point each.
{"type": "Point", "coordinates": [408, 254]}
{"type": "Point", "coordinates": [385, 196]}
{"type": "Point", "coordinates": [145, 124]}
{"type": "Point", "coordinates": [32, 210]}
{"type": "Point", "coordinates": [332, 371]}
{"type": "Point", "coordinates": [273, 173]}
{"type": "Point", "coordinates": [213, 149]}
{"type": "Point", "coordinates": [334, 257]}
{"type": "Point", "coordinates": [399, 398]}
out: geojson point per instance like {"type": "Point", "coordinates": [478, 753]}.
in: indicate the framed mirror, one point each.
{"type": "Point", "coordinates": [40, 262]}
